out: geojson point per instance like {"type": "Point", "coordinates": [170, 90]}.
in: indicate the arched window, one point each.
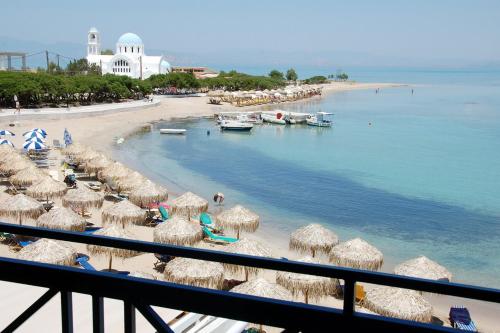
{"type": "Point", "coordinates": [125, 49]}
{"type": "Point", "coordinates": [138, 49]}
{"type": "Point", "coordinates": [132, 49]}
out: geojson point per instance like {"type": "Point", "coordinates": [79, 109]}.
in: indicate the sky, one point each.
{"type": "Point", "coordinates": [418, 33]}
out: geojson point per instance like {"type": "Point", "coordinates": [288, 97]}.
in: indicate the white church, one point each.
{"type": "Point", "coordinates": [129, 58]}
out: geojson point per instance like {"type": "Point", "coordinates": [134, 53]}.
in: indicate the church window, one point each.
{"type": "Point", "coordinates": [138, 49]}
{"type": "Point", "coordinates": [132, 49]}
{"type": "Point", "coordinates": [125, 49]}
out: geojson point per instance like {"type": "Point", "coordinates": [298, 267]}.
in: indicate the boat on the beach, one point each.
{"type": "Point", "coordinates": [172, 131]}
{"type": "Point", "coordinates": [273, 118]}
{"type": "Point", "coordinates": [234, 125]}
{"type": "Point", "coordinates": [319, 120]}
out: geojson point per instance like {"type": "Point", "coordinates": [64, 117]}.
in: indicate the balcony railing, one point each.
{"type": "Point", "coordinates": [140, 294]}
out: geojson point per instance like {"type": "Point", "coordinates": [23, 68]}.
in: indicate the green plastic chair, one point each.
{"type": "Point", "coordinates": [218, 238]}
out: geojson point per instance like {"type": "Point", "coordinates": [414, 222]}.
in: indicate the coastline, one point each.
{"type": "Point", "coordinates": [101, 131]}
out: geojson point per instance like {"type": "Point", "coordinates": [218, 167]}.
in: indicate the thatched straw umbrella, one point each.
{"type": "Point", "coordinates": [238, 218]}
{"type": "Point", "coordinates": [123, 212]}
{"type": "Point", "coordinates": [21, 206]}
{"type": "Point", "coordinates": [201, 273]}
{"type": "Point", "coordinates": [263, 288]}
{"type": "Point", "coordinates": [248, 247]}
{"type": "Point", "coordinates": [423, 267]}
{"type": "Point", "coordinates": [74, 149]}
{"type": "Point", "coordinates": [87, 155]}
{"type": "Point", "coordinates": [16, 165]}
{"type": "Point", "coordinates": [178, 231]}
{"type": "Point", "coordinates": [27, 176]}
{"type": "Point", "coordinates": [82, 198]}
{"type": "Point", "coordinates": [61, 218]}
{"type": "Point", "coordinates": [311, 286]}
{"type": "Point", "coordinates": [131, 181]}
{"type": "Point", "coordinates": [189, 204]}
{"type": "Point", "coordinates": [48, 251]}
{"type": "Point", "coordinates": [398, 303]}
{"type": "Point", "coordinates": [115, 170]}
{"type": "Point", "coordinates": [7, 153]}
{"type": "Point", "coordinates": [147, 193]}
{"type": "Point", "coordinates": [96, 164]}
{"type": "Point", "coordinates": [112, 231]}
{"type": "Point", "coordinates": [357, 253]}
{"type": "Point", "coordinates": [47, 188]}
{"type": "Point", "coordinates": [313, 237]}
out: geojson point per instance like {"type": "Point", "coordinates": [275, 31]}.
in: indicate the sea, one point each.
{"type": "Point", "coordinates": [414, 170]}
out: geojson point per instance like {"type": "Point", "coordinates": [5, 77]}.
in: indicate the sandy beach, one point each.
{"type": "Point", "coordinates": [101, 132]}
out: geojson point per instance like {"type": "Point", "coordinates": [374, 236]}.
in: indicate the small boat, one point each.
{"type": "Point", "coordinates": [234, 125]}
{"type": "Point", "coordinates": [319, 121]}
{"type": "Point", "coordinates": [274, 119]}
{"type": "Point", "coordinates": [172, 131]}
{"type": "Point", "coordinates": [120, 141]}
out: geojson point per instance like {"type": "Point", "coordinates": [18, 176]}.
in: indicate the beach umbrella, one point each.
{"type": "Point", "coordinates": [116, 232]}
{"type": "Point", "coordinates": [86, 156]}
{"type": "Point", "coordinates": [178, 231]}
{"type": "Point", "coordinates": [115, 170]}
{"type": "Point", "coordinates": [82, 198]}
{"type": "Point", "coordinates": [15, 164]}
{"type": "Point", "coordinates": [148, 192]}
{"type": "Point", "coordinates": [21, 206]}
{"type": "Point", "coordinates": [74, 149]}
{"type": "Point", "coordinates": [238, 218]}
{"type": "Point", "coordinates": [47, 188]}
{"type": "Point", "coordinates": [201, 273]}
{"type": "Point", "coordinates": [263, 288]}
{"type": "Point", "coordinates": [61, 218]}
{"type": "Point", "coordinates": [189, 204]}
{"type": "Point", "coordinates": [314, 238]}
{"type": "Point", "coordinates": [34, 134]}
{"type": "Point", "coordinates": [27, 176]}
{"type": "Point", "coordinates": [6, 132]}
{"type": "Point", "coordinates": [35, 139]}
{"type": "Point", "coordinates": [48, 251]}
{"type": "Point", "coordinates": [357, 253]}
{"type": "Point", "coordinates": [6, 149]}
{"type": "Point", "coordinates": [97, 163]}
{"type": "Point", "coordinates": [311, 286]}
{"type": "Point", "coordinates": [34, 145]}
{"type": "Point", "coordinates": [7, 143]}
{"type": "Point", "coordinates": [132, 180]}
{"type": "Point", "coordinates": [38, 130]}
{"type": "Point", "coordinates": [247, 247]}
{"type": "Point", "coordinates": [423, 267]}
{"type": "Point", "coordinates": [123, 212]}
{"type": "Point", "coordinates": [68, 140]}
{"type": "Point", "coordinates": [398, 303]}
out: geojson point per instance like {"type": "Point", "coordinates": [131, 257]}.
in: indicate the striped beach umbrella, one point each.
{"type": "Point", "coordinates": [5, 132]}
{"type": "Point", "coordinates": [39, 130]}
{"type": "Point", "coordinates": [32, 134]}
{"type": "Point", "coordinates": [33, 145]}
{"type": "Point", "coordinates": [35, 139]}
{"type": "Point", "coordinates": [6, 142]}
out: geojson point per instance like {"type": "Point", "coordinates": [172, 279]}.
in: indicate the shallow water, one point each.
{"type": "Point", "coordinates": [423, 178]}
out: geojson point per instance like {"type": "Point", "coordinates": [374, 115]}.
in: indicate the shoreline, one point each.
{"type": "Point", "coordinates": [101, 131]}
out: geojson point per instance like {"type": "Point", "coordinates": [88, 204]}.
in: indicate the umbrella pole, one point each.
{"type": "Point", "coordinates": [313, 253]}
{"type": "Point", "coordinates": [20, 219]}
{"type": "Point", "coordinates": [307, 296]}
{"type": "Point", "coordinates": [238, 234]}
{"type": "Point", "coordinates": [47, 199]}
{"type": "Point", "coordinates": [246, 274]}
{"type": "Point", "coordinates": [110, 261]}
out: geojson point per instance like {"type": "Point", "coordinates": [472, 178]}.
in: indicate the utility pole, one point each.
{"type": "Point", "coordinates": [47, 59]}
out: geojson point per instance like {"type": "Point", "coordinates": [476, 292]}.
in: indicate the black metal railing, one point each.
{"type": "Point", "coordinates": [140, 294]}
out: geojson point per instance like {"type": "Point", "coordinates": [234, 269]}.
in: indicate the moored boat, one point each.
{"type": "Point", "coordinates": [172, 131]}
{"type": "Point", "coordinates": [234, 125]}
{"type": "Point", "coordinates": [319, 120]}
{"type": "Point", "coordinates": [273, 119]}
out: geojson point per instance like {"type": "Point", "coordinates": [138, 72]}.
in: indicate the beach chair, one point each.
{"type": "Point", "coordinates": [57, 144]}
{"type": "Point", "coordinates": [217, 238]}
{"type": "Point", "coordinates": [205, 219]}
{"type": "Point", "coordinates": [359, 293]}
{"type": "Point", "coordinates": [163, 213]}
{"type": "Point", "coordinates": [83, 261]}
{"type": "Point", "coordinates": [460, 319]}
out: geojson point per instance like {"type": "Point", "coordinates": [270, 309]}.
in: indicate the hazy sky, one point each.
{"type": "Point", "coordinates": [381, 32]}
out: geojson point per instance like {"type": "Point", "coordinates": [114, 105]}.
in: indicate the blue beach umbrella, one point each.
{"type": "Point", "coordinates": [39, 130]}
{"type": "Point", "coordinates": [6, 142]}
{"type": "Point", "coordinates": [35, 139]}
{"type": "Point", "coordinates": [5, 132]}
{"type": "Point", "coordinates": [33, 134]}
{"type": "Point", "coordinates": [34, 145]}
{"type": "Point", "coordinates": [67, 138]}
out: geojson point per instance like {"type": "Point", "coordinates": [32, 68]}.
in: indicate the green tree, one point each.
{"type": "Point", "coordinates": [291, 75]}
{"type": "Point", "coordinates": [276, 74]}
{"type": "Point", "coordinates": [107, 52]}
{"type": "Point", "coordinates": [316, 80]}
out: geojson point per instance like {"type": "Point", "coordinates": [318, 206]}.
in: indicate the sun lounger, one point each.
{"type": "Point", "coordinates": [57, 144]}
{"type": "Point", "coordinates": [163, 213]}
{"type": "Point", "coordinates": [94, 186]}
{"type": "Point", "coordinates": [205, 219]}
{"type": "Point", "coordinates": [217, 238]}
{"type": "Point", "coordinates": [460, 318]}
{"type": "Point", "coordinates": [83, 261]}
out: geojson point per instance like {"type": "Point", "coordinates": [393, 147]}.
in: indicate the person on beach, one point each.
{"type": "Point", "coordinates": [18, 106]}
{"type": "Point", "coordinates": [219, 198]}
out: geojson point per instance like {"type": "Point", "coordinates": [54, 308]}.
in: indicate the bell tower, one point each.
{"type": "Point", "coordinates": [94, 42]}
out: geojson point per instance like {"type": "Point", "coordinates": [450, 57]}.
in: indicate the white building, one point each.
{"type": "Point", "coordinates": [129, 58]}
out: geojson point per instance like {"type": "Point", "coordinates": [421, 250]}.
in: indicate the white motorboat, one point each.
{"type": "Point", "coordinates": [235, 125]}
{"type": "Point", "coordinates": [172, 131]}
{"type": "Point", "coordinates": [319, 120]}
{"type": "Point", "coordinates": [274, 118]}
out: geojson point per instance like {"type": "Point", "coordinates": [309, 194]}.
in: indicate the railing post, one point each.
{"type": "Point", "coordinates": [97, 314]}
{"type": "Point", "coordinates": [66, 311]}
{"type": "Point", "coordinates": [349, 297]}
{"type": "Point", "coordinates": [129, 316]}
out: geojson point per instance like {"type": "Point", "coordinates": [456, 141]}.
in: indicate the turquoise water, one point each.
{"type": "Point", "coordinates": [423, 178]}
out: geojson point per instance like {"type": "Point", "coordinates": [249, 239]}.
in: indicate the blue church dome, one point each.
{"type": "Point", "coordinates": [130, 39]}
